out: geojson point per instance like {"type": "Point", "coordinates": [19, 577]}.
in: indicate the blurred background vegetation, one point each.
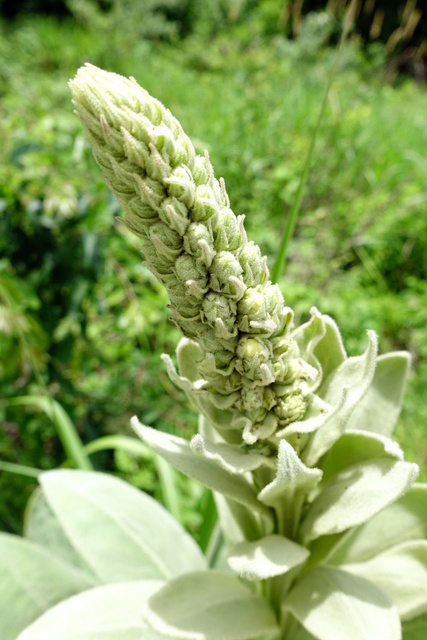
{"type": "Point", "coordinates": [83, 322]}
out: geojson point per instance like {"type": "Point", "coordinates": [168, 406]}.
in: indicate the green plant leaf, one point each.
{"type": "Point", "coordinates": [230, 457]}
{"type": "Point", "coordinates": [292, 474]}
{"type": "Point", "coordinates": [380, 407]}
{"type": "Point", "coordinates": [343, 389]}
{"type": "Point", "coordinates": [330, 351]}
{"type": "Point", "coordinates": [356, 494]}
{"type": "Point", "coordinates": [135, 447]}
{"type": "Point", "coordinates": [31, 582]}
{"type": "Point", "coordinates": [333, 604]}
{"type": "Point", "coordinates": [402, 573]}
{"type": "Point", "coordinates": [405, 519]}
{"type": "Point", "coordinates": [121, 533]}
{"type": "Point", "coordinates": [320, 343]}
{"type": "Point", "coordinates": [268, 557]}
{"type": "Point", "coordinates": [415, 629]}
{"type": "Point", "coordinates": [208, 606]}
{"type": "Point", "coordinates": [237, 522]}
{"type": "Point", "coordinates": [179, 453]}
{"type": "Point", "coordinates": [357, 446]}
{"type": "Point", "coordinates": [42, 526]}
{"type": "Point", "coordinates": [108, 612]}
{"type": "Point", "coordinates": [188, 353]}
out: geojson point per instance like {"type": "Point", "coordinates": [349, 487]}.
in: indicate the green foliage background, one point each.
{"type": "Point", "coordinates": [81, 317]}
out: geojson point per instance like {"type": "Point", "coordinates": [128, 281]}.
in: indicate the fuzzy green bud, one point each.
{"type": "Point", "coordinates": [198, 242]}
{"type": "Point", "coordinates": [228, 234]}
{"type": "Point", "coordinates": [220, 313]}
{"type": "Point", "coordinates": [225, 275]}
{"type": "Point", "coordinates": [254, 267]}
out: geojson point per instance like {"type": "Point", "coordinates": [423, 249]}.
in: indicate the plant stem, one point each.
{"type": "Point", "coordinates": [296, 206]}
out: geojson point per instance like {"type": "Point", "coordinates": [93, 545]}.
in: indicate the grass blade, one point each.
{"type": "Point", "coordinates": [65, 429]}
{"type": "Point", "coordinates": [19, 469]}
{"type": "Point", "coordinates": [293, 216]}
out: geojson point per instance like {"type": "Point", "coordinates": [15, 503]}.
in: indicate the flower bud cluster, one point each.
{"type": "Point", "coordinates": [217, 281]}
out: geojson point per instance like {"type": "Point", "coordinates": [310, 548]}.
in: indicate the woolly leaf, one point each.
{"type": "Point", "coordinates": [379, 409]}
{"type": "Point", "coordinates": [231, 458]}
{"type": "Point", "coordinates": [31, 582]}
{"type": "Point", "coordinates": [356, 494]}
{"type": "Point", "coordinates": [178, 452]}
{"type": "Point", "coordinates": [42, 526]}
{"type": "Point", "coordinates": [121, 533]}
{"type": "Point", "coordinates": [344, 388]}
{"type": "Point", "coordinates": [271, 556]}
{"type": "Point", "coordinates": [358, 446]}
{"type": "Point", "coordinates": [402, 573]}
{"type": "Point", "coordinates": [403, 520]}
{"type": "Point", "coordinates": [331, 603]}
{"type": "Point", "coordinates": [292, 474]}
{"type": "Point", "coordinates": [108, 612]}
{"type": "Point", "coordinates": [208, 606]}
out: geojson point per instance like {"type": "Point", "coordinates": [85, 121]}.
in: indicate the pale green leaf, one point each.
{"type": "Point", "coordinates": [42, 526]}
{"type": "Point", "coordinates": [121, 533]}
{"type": "Point", "coordinates": [237, 522]}
{"type": "Point", "coordinates": [335, 605]}
{"type": "Point", "coordinates": [330, 351]}
{"type": "Point", "coordinates": [380, 407]}
{"type": "Point", "coordinates": [32, 581]}
{"type": "Point", "coordinates": [209, 606]}
{"type": "Point", "coordinates": [188, 354]}
{"type": "Point", "coordinates": [308, 335]}
{"type": "Point", "coordinates": [292, 474]}
{"type": "Point", "coordinates": [320, 343]}
{"type": "Point", "coordinates": [108, 612]}
{"type": "Point", "coordinates": [231, 458]}
{"type": "Point", "coordinates": [343, 389]}
{"type": "Point", "coordinates": [356, 494]}
{"type": "Point", "coordinates": [403, 520]}
{"type": "Point", "coordinates": [318, 414]}
{"type": "Point", "coordinates": [402, 573]}
{"type": "Point", "coordinates": [265, 558]}
{"type": "Point", "coordinates": [358, 446]}
{"type": "Point", "coordinates": [415, 629]}
{"type": "Point", "coordinates": [178, 452]}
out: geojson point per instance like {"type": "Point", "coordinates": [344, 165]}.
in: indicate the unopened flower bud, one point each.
{"type": "Point", "coordinates": [174, 214]}
{"type": "Point", "coordinates": [254, 268]}
{"type": "Point", "coordinates": [180, 185]}
{"type": "Point", "coordinates": [200, 171]}
{"type": "Point", "coordinates": [291, 408]}
{"type": "Point", "coordinates": [216, 306]}
{"type": "Point", "coordinates": [188, 269]}
{"type": "Point", "coordinates": [227, 232]}
{"type": "Point", "coordinates": [225, 271]}
{"type": "Point", "coordinates": [254, 360]}
{"type": "Point", "coordinates": [198, 242]}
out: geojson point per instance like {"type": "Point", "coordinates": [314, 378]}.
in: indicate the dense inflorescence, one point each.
{"type": "Point", "coordinates": [217, 280]}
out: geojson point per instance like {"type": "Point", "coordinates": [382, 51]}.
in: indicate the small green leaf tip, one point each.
{"type": "Point", "coordinates": [217, 281]}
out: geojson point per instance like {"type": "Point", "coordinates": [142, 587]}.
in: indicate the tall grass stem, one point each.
{"type": "Point", "coordinates": [279, 264]}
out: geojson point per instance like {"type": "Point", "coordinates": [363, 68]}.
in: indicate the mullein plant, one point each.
{"type": "Point", "coordinates": [324, 528]}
